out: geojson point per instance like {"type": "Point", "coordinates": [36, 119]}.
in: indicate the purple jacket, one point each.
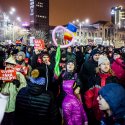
{"type": "Point", "coordinates": [73, 111]}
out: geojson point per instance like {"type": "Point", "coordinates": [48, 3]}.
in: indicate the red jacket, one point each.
{"type": "Point", "coordinates": [92, 94]}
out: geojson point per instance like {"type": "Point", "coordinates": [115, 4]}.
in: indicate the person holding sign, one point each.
{"type": "Point", "coordinates": [12, 82]}
{"type": "Point", "coordinates": [22, 64]}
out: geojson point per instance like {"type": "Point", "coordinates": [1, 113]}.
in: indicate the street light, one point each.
{"type": "Point", "coordinates": [19, 19]}
{"type": "Point", "coordinates": [12, 11]}
{"type": "Point", "coordinates": [80, 24]}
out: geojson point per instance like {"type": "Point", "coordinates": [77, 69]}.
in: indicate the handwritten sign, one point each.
{"type": "Point", "coordinates": [22, 69]}
{"type": "Point", "coordinates": [39, 44]}
{"type": "Point", "coordinates": [7, 75]}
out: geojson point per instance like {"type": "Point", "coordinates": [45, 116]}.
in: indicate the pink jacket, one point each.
{"type": "Point", "coordinates": [117, 67]}
{"type": "Point", "coordinates": [73, 111]}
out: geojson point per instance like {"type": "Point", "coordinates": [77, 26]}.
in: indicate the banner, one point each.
{"type": "Point", "coordinates": [32, 41]}
{"type": "Point", "coordinates": [105, 43]}
{"type": "Point", "coordinates": [119, 44]}
{"type": "Point", "coordinates": [7, 75]}
{"type": "Point", "coordinates": [39, 44]}
{"type": "Point", "coordinates": [97, 40]}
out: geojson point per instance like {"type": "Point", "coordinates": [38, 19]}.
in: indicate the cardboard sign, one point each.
{"type": "Point", "coordinates": [39, 44]}
{"type": "Point", "coordinates": [119, 44]}
{"type": "Point", "coordinates": [98, 40]}
{"type": "Point", "coordinates": [7, 75]}
{"type": "Point", "coordinates": [32, 41]}
{"type": "Point", "coordinates": [22, 69]}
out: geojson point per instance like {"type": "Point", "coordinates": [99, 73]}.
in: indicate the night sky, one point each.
{"type": "Point", "coordinates": [64, 11]}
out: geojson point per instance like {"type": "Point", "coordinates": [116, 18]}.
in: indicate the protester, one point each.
{"type": "Point", "coordinates": [43, 60]}
{"type": "Point", "coordinates": [103, 76]}
{"type": "Point", "coordinates": [69, 75]}
{"type": "Point", "coordinates": [11, 88]}
{"type": "Point", "coordinates": [89, 68]}
{"type": "Point", "coordinates": [73, 111]}
{"type": "Point", "coordinates": [34, 104]}
{"type": "Point", "coordinates": [111, 100]}
{"type": "Point", "coordinates": [69, 54]}
{"type": "Point", "coordinates": [118, 66]}
{"type": "Point", "coordinates": [25, 68]}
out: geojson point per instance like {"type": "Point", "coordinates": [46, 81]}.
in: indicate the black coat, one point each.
{"type": "Point", "coordinates": [35, 106]}
{"type": "Point", "coordinates": [88, 69]}
{"type": "Point", "coordinates": [49, 71]}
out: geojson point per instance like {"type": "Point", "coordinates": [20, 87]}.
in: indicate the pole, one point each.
{"type": "Point", "coordinates": [13, 32]}
{"type": "Point", "coordinates": [80, 32]}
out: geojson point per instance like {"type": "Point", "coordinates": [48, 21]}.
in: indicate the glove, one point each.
{"type": "Point", "coordinates": [16, 83]}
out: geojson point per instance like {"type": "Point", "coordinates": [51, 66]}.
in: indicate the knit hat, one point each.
{"type": "Point", "coordinates": [95, 51]}
{"type": "Point", "coordinates": [21, 53]}
{"type": "Point", "coordinates": [117, 51]}
{"type": "Point", "coordinates": [103, 59]}
{"type": "Point", "coordinates": [38, 76]}
{"type": "Point", "coordinates": [14, 51]}
{"type": "Point", "coordinates": [45, 54]}
{"type": "Point", "coordinates": [38, 72]}
{"type": "Point", "coordinates": [63, 55]}
{"type": "Point", "coordinates": [114, 94]}
{"type": "Point", "coordinates": [11, 60]}
{"type": "Point", "coordinates": [71, 61]}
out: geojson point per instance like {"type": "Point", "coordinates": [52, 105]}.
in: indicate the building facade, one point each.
{"type": "Point", "coordinates": [39, 14]}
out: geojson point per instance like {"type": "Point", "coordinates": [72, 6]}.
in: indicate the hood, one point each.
{"type": "Point", "coordinates": [68, 86]}
{"type": "Point", "coordinates": [11, 60]}
{"type": "Point", "coordinates": [36, 86]}
{"type": "Point", "coordinates": [114, 94]}
{"type": "Point", "coordinates": [38, 81]}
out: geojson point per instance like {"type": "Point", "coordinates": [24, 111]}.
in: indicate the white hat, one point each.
{"type": "Point", "coordinates": [11, 60]}
{"type": "Point", "coordinates": [21, 53]}
{"type": "Point", "coordinates": [103, 59]}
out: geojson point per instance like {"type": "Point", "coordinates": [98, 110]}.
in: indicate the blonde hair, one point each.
{"type": "Point", "coordinates": [98, 70]}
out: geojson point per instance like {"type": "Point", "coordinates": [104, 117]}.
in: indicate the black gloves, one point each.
{"type": "Point", "coordinates": [16, 83]}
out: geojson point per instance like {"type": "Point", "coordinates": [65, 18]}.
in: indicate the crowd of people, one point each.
{"type": "Point", "coordinates": [90, 89]}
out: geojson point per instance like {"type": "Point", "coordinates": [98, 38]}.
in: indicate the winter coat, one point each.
{"type": "Point", "coordinates": [119, 69]}
{"type": "Point", "coordinates": [73, 111]}
{"type": "Point", "coordinates": [87, 70]}
{"type": "Point", "coordinates": [95, 84]}
{"type": "Point", "coordinates": [114, 94]}
{"type": "Point", "coordinates": [87, 56]}
{"type": "Point", "coordinates": [48, 69]}
{"type": "Point", "coordinates": [70, 56]}
{"type": "Point", "coordinates": [64, 78]}
{"type": "Point", "coordinates": [12, 90]}
{"type": "Point", "coordinates": [79, 60]}
{"type": "Point", "coordinates": [36, 106]}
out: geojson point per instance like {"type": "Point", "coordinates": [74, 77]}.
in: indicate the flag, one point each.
{"type": "Point", "coordinates": [21, 39]}
{"type": "Point", "coordinates": [57, 58]}
{"type": "Point", "coordinates": [67, 36]}
{"type": "Point", "coordinates": [72, 27]}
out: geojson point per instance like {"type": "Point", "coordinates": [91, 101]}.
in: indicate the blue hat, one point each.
{"type": "Point", "coordinates": [114, 94]}
{"type": "Point", "coordinates": [95, 51]}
